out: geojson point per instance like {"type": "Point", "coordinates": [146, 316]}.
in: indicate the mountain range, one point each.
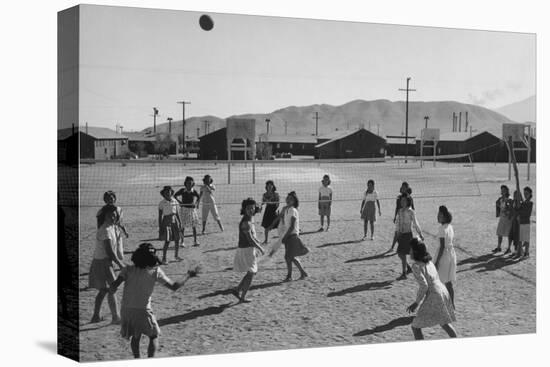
{"type": "Point", "coordinates": [382, 117]}
{"type": "Point", "coordinates": [522, 111]}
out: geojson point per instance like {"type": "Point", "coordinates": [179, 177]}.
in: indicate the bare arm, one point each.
{"type": "Point", "coordinates": [116, 284]}
{"type": "Point", "coordinates": [111, 254]}
{"type": "Point", "coordinates": [417, 225]}
{"type": "Point", "coordinates": [378, 203]}
{"type": "Point", "coordinates": [174, 286]}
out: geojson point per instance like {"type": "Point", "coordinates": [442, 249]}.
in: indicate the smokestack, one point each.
{"type": "Point", "coordinates": [460, 121]}
{"type": "Point", "coordinates": [466, 122]}
{"type": "Point", "coordinates": [454, 122]}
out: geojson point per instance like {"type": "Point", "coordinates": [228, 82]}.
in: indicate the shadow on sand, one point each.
{"type": "Point", "coordinates": [401, 321]}
{"type": "Point", "coordinates": [214, 310]}
{"type": "Point", "coordinates": [339, 243]}
{"type": "Point", "coordinates": [486, 263]}
{"type": "Point", "coordinates": [373, 257]}
{"type": "Point", "coordinates": [229, 291]}
{"type": "Point", "coordinates": [361, 288]}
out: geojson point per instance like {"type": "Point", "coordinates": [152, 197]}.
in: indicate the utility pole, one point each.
{"type": "Point", "coordinates": [155, 114]}
{"type": "Point", "coordinates": [407, 90]}
{"type": "Point", "coordinates": [267, 121]}
{"type": "Point", "coordinates": [426, 118]}
{"type": "Point", "coordinates": [198, 132]}
{"type": "Point", "coordinates": [316, 118]}
{"type": "Point", "coordinates": [183, 103]}
{"type": "Point", "coordinates": [169, 125]}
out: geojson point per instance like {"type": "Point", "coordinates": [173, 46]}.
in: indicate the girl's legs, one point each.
{"type": "Point", "coordinates": [365, 228]}
{"type": "Point", "coordinates": [526, 250]}
{"type": "Point", "coordinates": [328, 222]}
{"type": "Point", "coordinates": [182, 237]}
{"type": "Point", "coordinates": [134, 344]}
{"type": "Point", "coordinates": [322, 222]}
{"type": "Point", "coordinates": [451, 290]}
{"type": "Point", "coordinates": [165, 251]}
{"type": "Point", "coordinates": [177, 249]}
{"type": "Point", "coordinates": [298, 264]}
{"type": "Point", "coordinates": [289, 269]}
{"type": "Point", "coordinates": [266, 233]}
{"type": "Point", "coordinates": [450, 330]}
{"type": "Point", "coordinates": [153, 346]}
{"type": "Point", "coordinates": [195, 236]}
{"type": "Point", "coordinates": [509, 245]}
{"type": "Point", "coordinates": [97, 306]}
{"type": "Point", "coordinates": [417, 333]}
{"type": "Point", "coordinates": [404, 266]}
{"type": "Point", "coordinates": [113, 306]}
{"type": "Point", "coordinates": [204, 226]}
{"type": "Point", "coordinates": [247, 280]}
{"type": "Point", "coordinates": [499, 244]}
{"type": "Point", "coordinates": [372, 230]}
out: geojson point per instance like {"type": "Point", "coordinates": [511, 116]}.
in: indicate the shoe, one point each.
{"type": "Point", "coordinates": [364, 238]}
{"type": "Point", "coordinates": [498, 249]}
{"type": "Point", "coordinates": [287, 279]}
{"type": "Point", "coordinates": [196, 244]}
{"type": "Point", "coordinates": [320, 229]}
{"type": "Point", "coordinates": [372, 238]}
{"type": "Point", "coordinates": [178, 258]}
{"type": "Point", "coordinates": [326, 230]}
{"type": "Point", "coordinates": [526, 254]}
{"type": "Point", "coordinates": [304, 276]}
{"type": "Point", "coordinates": [402, 277]}
{"type": "Point", "coordinates": [507, 251]}
{"type": "Point", "coordinates": [409, 269]}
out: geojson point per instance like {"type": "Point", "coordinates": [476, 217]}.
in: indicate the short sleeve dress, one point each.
{"type": "Point", "coordinates": [368, 211]}
{"type": "Point", "coordinates": [504, 211]}
{"type": "Point", "coordinates": [293, 244]}
{"type": "Point", "coordinates": [102, 272]}
{"type": "Point", "coordinates": [447, 263]}
{"type": "Point", "coordinates": [435, 303]}
{"type": "Point", "coordinates": [136, 312]}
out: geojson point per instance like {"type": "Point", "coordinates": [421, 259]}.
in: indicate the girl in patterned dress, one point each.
{"type": "Point", "coordinates": [271, 200]}
{"type": "Point", "coordinates": [445, 260]}
{"type": "Point", "coordinates": [435, 303]}
{"type": "Point", "coordinates": [504, 215]}
{"type": "Point", "coordinates": [137, 316]}
{"type": "Point", "coordinates": [404, 223]}
{"type": "Point", "coordinates": [245, 258]}
{"type": "Point", "coordinates": [169, 222]}
{"type": "Point", "coordinates": [188, 198]}
{"type": "Point", "coordinates": [405, 189]}
{"type": "Point", "coordinates": [108, 251]}
{"type": "Point", "coordinates": [368, 209]}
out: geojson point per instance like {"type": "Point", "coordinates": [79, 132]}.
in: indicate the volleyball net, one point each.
{"type": "Point", "coordinates": [138, 183]}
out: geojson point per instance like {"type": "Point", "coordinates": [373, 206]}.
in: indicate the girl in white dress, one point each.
{"type": "Point", "coordinates": [432, 296]}
{"type": "Point", "coordinates": [445, 260]}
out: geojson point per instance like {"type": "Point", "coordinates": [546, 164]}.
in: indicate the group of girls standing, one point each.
{"type": "Point", "coordinates": [178, 211]}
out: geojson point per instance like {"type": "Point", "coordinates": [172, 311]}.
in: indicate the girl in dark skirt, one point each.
{"type": "Point", "coordinates": [169, 222]}
{"type": "Point", "coordinates": [293, 244]}
{"type": "Point", "coordinates": [404, 223]}
{"type": "Point", "coordinates": [405, 189]}
{"type": "Point", "coordinates": [271, 200]}
{"type": "Point", "coordinates": [137, 316]}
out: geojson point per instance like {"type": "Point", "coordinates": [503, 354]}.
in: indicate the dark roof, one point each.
{"type": "Point", "coordinates": [99, 133]}
{"type": "Point", "coordinates": [345, 134]}
{"type": "Point", "coordinates": [139, 136]}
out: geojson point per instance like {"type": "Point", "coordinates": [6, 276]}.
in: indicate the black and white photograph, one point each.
{"type": "Point", "coordinates": [237, 183]}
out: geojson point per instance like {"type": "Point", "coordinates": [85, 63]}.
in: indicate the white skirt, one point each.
{"type": "Point", "coordinates": [447, 265]}
{"type": "Point", "coordinates": [245, 260]}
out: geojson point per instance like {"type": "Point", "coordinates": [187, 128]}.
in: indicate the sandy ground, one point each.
{"type": "Point", "coordinates": [351, 297]}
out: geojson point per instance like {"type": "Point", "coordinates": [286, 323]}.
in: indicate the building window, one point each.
{"type": "Point", "coordinates": [303, 147]}
{"type": "Point", "coordinates": [290, 146]}
{"type": "Point", "coordinates": [278, 145]}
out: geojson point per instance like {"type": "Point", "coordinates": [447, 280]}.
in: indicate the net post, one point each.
{"type": "Point", "coordinates": [529, 154]}
{"type": "Point", "coordinates": [421, 151]}
{"type": "Point", "coordinates": [253, 172]}
{"type": "Point", "coordinates": [435, 149]}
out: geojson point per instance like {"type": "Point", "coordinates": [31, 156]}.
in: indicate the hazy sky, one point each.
{"type": "Point", "coordinates": [133, 59]}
